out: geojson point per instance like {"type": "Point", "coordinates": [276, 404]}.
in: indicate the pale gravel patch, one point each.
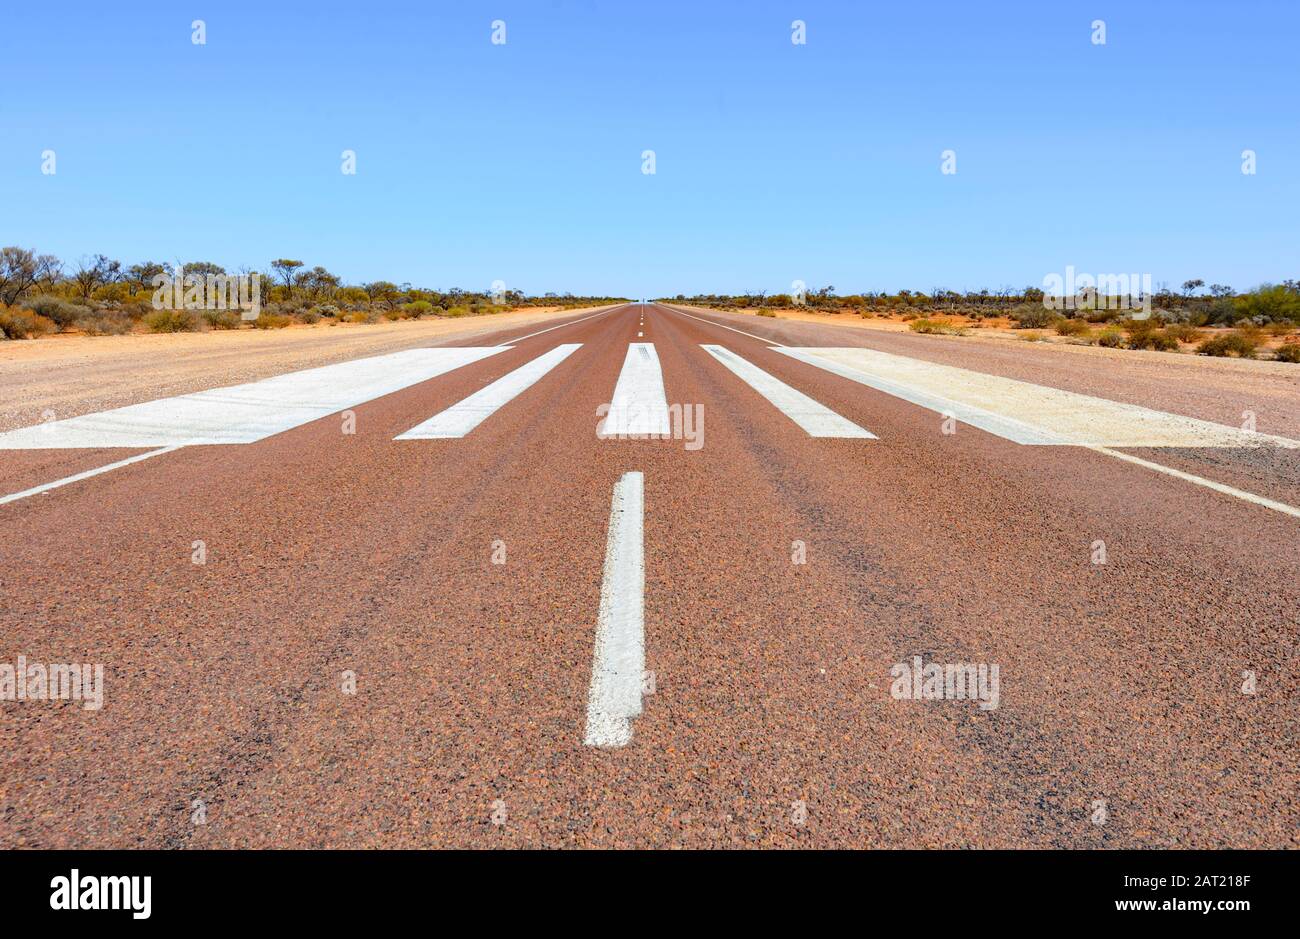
{"type": "Point", "coordinates": [74, 375]}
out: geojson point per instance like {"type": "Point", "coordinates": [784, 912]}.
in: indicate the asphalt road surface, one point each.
{"type": "Point", "coordinates": [456, 596]}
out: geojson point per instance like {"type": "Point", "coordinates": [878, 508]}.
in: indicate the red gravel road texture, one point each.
{"type": "Point", "coordinates": [1122, 720]}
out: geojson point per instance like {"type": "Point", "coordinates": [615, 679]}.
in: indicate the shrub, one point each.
{"type": "Point", "coordinates": [104, 324]}
{"type": "Point", "coordinates": [60, 312]}
{"type": "Point", "coordinates": [1156, 339]}
{"type": "Point", "coordinates": [171, 321]}
{"type": "Point", "coordinates": [272, 320]}
{"type": "Point", "coordinates": [418, 308]}
{"type": "Point", "coordinates": [1237, 343]}
{"type": "Point", "coordinates": [328, 309]}
{"type": "Point", "coordinates": [362, 316]}
{"type": "Point", "coordinates": [1111, 338]}
{"type": "Point", "coordinates": [765, 312]}
{"type": "Point", "coordinates": [1033, 337]}
{"type": "Point", "coordinates": [16, 323]}
{"type": "Point", "coordinates": [1101, 315]}
{"type": "Point", "coordinates": [309, 316]}
{"type": "Point", "coordinates": [1072, 327]}
{"type": "Point", "coordinates": [1288, 353]}
{"type": "Point", "coordinates": [1033, 316]}
{"type": "Point", "coordinates": [222, 319]}
{"type": "Point", "coordinates": [938, 327]}
{"type": "Point", "coordinates": [1184, 332]}
{"type": "Point", "coordinates": [459, 311]}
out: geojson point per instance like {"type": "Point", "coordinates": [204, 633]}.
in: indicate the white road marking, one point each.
{"type": "Point", "coordinates": [770, 342]}
{"type": "Point", "coordinates": [817, 419]}
{"type": "Point", "coordinates": [510, 342]}
{"type": "Point", "coordinates": [46, 487]}
{"type": "Point", "coordinates": [618, 666]}
{"type": "Point", "coordinates": [462, 417]}
{"type": "Point", "coordinates": [1024, 412]}
{"type": "Point", "coordinates": [247, 413]}
{"type": "Point", "coordinates": [639, 406]}
{"type": "Point", "coordinates": [1202, 481]}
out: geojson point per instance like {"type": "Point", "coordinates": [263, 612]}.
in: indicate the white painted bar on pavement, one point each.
{"type": "Point", "coordinates": [815, 418]}
{"type": "Point", "coordinates": [618, 665]}
{"type": "Point", "coordinates": [250, 412]}
{"type": "Point", "coordinates": [462, 417]}
{"type": "Point", "coordinates": [78, 477]}
{"type": "Point", "coordinates": [1024, 412]}
{"type": "Point", "coordinates": [639, 406]}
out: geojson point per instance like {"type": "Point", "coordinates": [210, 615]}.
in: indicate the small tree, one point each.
{"type": "Point", "coordinates": [284, 269]}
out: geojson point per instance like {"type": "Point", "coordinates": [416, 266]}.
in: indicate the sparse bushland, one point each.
{"type": "Point", "coordinates": [18, 323]}
{"type": "Point", "coordinates": [99, 296]}
{"type": "Point", "coordinates": [1216, 320]}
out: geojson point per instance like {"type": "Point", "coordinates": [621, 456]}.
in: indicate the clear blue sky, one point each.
{"type": "Point", "coordinates": [522, 162]}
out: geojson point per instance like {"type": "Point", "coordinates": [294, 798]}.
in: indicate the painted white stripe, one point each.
{"type": "Point", "coordinates": [462, 417]}
{"type": "Point", "coordinates": [1024, 412]}
{"type": "Point", "coordinates": [701, 319]}
{"type": "Point", "coordinates": [639, 406]}
{"type": "Point", "coordinates": [562, 325]}
{"type": "Point", "coordinates": [247, 413]}
{"type": "Point", "coordinates": [817, 419]}
{"type": "Point", "coordinates": [618, 665]}
{"type": "Point", "coordinates": [46, 487]}
{"type": "Point", "coordinates": [1202, 481]}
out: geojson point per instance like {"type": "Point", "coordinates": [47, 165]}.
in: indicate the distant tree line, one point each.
{"type": "Point", "coordinates": [98, 295]}
{"type": "Point", "coordinates": [1195, 304]}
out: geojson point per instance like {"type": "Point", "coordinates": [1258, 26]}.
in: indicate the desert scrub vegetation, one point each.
{"type": "Point", "coordinates": [97, 295]}
{"type": "Point", "coordinates": [1239, 344]}
{"type": "Point", "coordinates": [1289, 352]}
{"type": "Point", "coordinates": [1068, 326]}
{"type": "Point", "coordinates": [171, 321]}
{"type": "Point", "coordinates": [19, 323]}
{"type": "Point", "coordinates": [936, 327]}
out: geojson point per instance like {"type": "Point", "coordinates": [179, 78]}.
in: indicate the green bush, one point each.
{"type": "Point", "coordinates": [1236, 343]}
{"type": "Point", "coordinates": [418, 308]}
{"type": "Point", "coordinates": [222, 319]}
{"type": "Point", "coordinates": [16, 323]}
{"type": "Point", "coordinates": [1033, 316]}
{"type": "Point", "coordinates": [60, 312]}
{"type": "Point", "coordinates": [1072, 327]}
{"type": "Point", "coordinates": [1110, 338]}
{"type": "Point", "coordinates": [171, 321]}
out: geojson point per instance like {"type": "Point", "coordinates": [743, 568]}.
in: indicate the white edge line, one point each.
{"type": "Point", "coordinates": [770, 342]}
{"type": "Point", "coordinates": [618, 662]}
{"type": "Point", "coordinates": [46, 487]}
{"type": "Point", "coordinates": [1201, 481]}
{"type": "Point", "coordinates": [510, 342]}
